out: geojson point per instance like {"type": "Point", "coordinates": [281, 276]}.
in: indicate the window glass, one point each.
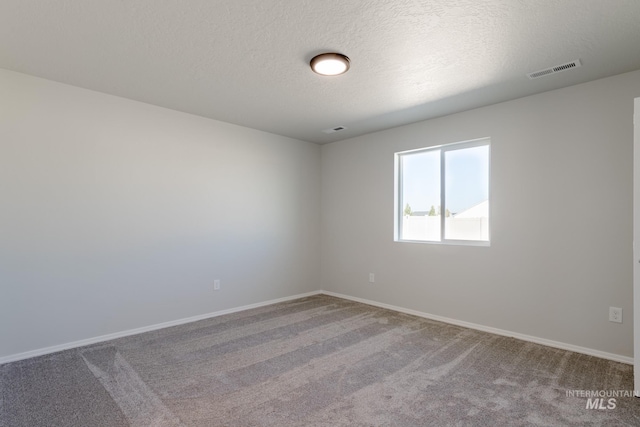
{"type": "Point", "coordinates": [443, 193]}
{"type": "Point", "coordinates": [467, 193]}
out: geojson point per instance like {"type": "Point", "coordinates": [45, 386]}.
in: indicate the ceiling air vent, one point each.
{"type": "Point", "coordinates": [335, 129]}
{"type": "Point", "coordinates": [557, 69]}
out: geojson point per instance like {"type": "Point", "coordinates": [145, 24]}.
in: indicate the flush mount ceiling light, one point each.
{"type": "Point", "coordinates": [330, 64]}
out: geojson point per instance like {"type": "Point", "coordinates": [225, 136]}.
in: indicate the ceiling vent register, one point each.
{"type": "Point", "coordinates": [553, 70]}
{"type": "Point", "coordinates": [335, 129]}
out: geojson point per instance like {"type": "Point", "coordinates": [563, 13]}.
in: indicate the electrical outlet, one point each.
{"type": "Point", "coordinates": [216, 285]}
{"type": "Point", "coordinates": [372, 278]}
{"type": "Point", "coordinates": [615, 314]}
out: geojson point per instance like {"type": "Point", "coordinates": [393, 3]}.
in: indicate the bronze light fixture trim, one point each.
{"type": "Point", "coordinates": [330, 64]}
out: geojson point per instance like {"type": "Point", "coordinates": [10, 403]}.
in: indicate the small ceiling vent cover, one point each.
{"type": "Point", "coordinates": [553, 70]}
{"type": "Point", "coordinates": [335, 129]}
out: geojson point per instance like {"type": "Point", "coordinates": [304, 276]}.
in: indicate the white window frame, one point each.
{"type": "Point", "coordinates": [399, 203]}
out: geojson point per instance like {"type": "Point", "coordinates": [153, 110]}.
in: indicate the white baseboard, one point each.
{"type": "Point", "coordinates": [102, 338]}
{"type": "Point", "coordinates": [542, 341]}
{"type": "Point", "coordinates": [548, 343]}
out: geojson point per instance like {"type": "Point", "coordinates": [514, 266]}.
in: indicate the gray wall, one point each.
{"type": "Point", "coordinates": [117, 215]}
{"type": "Point", "coordinates": [561, 226]}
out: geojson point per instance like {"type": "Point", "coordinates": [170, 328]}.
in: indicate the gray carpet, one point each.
{"type": "Point", "coordinates": [317, 361]}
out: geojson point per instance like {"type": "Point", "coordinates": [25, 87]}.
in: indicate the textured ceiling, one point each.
{"type": "Point", "coordinates": [246, 61]}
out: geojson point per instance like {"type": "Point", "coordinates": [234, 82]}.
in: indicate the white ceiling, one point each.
{"type": "Point", "coordinates": [246, 61]}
